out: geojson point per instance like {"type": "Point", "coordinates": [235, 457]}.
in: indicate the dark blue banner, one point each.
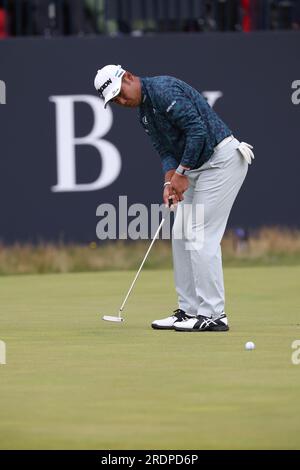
{"type": "Point", "coordinates": [62, 154]}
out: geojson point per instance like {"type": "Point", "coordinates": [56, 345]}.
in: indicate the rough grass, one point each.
{"type": "Point", "coordinates": [267, 246]}
{"type": "Point", "coordinates": [73, 381]}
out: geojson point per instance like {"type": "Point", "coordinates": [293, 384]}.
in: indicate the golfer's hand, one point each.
{"type": "Point", "coordinates": [179, 184]}
{"type": "Point", "coordinates": [169, 194]}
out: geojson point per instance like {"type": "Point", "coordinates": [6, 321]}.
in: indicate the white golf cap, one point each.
{"type": "Point", "coordinates": [108, 82]}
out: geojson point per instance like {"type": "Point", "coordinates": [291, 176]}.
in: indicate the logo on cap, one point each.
{"type": "Point", "coordinates": [105, 85]}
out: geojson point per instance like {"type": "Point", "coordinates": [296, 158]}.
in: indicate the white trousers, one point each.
{"type": "Point", "coordinates": [198, 266]}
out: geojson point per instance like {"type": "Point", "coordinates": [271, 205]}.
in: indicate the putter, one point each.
{"type": "Point", "coordinates": [119, 317]}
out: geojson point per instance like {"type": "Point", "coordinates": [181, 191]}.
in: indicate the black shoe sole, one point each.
{"type": "Point", "coordinates": [155, 327]}
{"type": "Point", "coordinates": [215, 329]}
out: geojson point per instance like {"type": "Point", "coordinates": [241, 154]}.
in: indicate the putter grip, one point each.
{"type": "Point", "coordinates": [170, 201]}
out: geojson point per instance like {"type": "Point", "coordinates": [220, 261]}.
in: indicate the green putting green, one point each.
{"type": "Point", "coordinates": [73, 381]}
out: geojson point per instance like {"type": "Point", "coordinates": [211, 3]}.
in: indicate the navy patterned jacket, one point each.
{"type": "Point", "coordinates": [182, 126]}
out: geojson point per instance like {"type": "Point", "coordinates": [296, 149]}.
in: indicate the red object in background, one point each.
{"type": "Point", "coordinates": [246, 21]}
{"type": "Point", "coordinates": [3, 19]}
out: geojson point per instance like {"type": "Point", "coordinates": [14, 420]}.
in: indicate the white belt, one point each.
{"type": "Point", "coordinates": [224, 142]}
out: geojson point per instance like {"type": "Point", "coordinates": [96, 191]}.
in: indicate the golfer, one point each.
{"type": "Point", "coordinates": [204, 166]}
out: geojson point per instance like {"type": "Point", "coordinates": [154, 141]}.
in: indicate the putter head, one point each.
{"type": "Point", "coordinates": [113, 319]}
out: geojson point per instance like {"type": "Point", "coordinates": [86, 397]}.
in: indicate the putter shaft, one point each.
{"type": "Point", "coordinates": [140, 268]}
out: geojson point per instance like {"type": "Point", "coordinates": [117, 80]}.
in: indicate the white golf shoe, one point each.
{"type": "Point", "coordinates": [169, 323]}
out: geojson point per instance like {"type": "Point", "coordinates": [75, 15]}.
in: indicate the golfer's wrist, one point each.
{"type": "Point", "coordinates": [181, 170]}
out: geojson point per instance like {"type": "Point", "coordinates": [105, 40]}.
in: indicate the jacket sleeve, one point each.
{"type": "Point", "coordinates": [180, 110]}
{"type": "Point", "coordinates": [167, 160]}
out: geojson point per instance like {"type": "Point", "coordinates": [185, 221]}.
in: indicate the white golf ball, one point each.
{"type": "Point", "coordinates": [249, 345]}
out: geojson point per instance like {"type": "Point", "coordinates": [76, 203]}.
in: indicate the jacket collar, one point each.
{"type": "Point", "coordinates": [144, 90]}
